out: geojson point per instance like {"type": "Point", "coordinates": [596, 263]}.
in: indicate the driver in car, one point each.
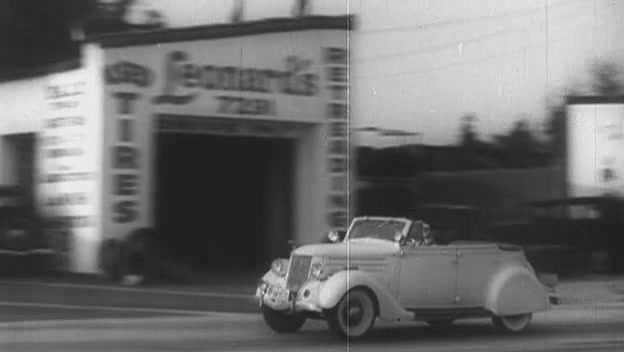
{"type": "Point", "coordinates": [428, 238]}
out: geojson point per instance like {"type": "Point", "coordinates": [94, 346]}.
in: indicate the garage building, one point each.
{"type": "Point", "coordinates": [228, 140]}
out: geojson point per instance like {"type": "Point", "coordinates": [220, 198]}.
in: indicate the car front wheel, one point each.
{"type": "Point", "coordinates": [354, 315]}
{"type": "Point", "coordinates": [281, 322]}
{"type": "Point", "coordinates": [513, 323]}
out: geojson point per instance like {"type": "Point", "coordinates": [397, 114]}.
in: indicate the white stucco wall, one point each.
{"type": "Point", "coordinates": [38, 105]}
{"type": "Point", "coordinates": [22, 105]}
{"type": "Point", "coordinates": [22, 108]}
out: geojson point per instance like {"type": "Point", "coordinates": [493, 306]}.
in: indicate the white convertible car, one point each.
{"type": "Point", "coordinates": [382, 270]}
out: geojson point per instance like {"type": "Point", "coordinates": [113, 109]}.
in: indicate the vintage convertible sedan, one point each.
{"type": "Point", "coordinates": [383, 269]}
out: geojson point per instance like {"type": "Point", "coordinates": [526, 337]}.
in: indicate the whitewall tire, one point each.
{"type": "Point", "coordinates": [354, 316]}
{"type": "Point", "coordinates": [513, 323]}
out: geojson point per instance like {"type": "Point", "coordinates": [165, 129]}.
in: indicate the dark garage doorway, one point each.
{"type": "Point", "coordinates": [224, 203]}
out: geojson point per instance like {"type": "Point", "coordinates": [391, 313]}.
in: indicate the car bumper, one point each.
{"type": "Point", "coordinates": [553, 297]}
{"type": "Point", "coordinates": [273, 294]}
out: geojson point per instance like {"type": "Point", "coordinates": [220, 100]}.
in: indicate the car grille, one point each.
{"type": "Point", "coordinates": [298, 271]}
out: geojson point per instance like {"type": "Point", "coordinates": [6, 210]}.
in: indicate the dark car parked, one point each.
{"type": "Point", "coordinates": [29, 243]}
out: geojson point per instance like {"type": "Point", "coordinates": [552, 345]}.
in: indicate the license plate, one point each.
{"type": "Point", "coordinates": [277, 294]}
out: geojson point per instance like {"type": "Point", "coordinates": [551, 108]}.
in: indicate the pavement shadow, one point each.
{"type": "Point", "coordinates": [420, 333]}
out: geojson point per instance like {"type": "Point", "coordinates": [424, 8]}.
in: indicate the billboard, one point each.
{"type": "Point", "coordinates": [68, 164]}
{"type": "Point", "coordinates": [595, 141]}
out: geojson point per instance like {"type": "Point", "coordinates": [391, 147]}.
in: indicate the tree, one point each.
{"type": "Point", "coordinates": [468, 135]}
{"type": "Point", "coordinates": [238, 11]}
{"type": "Point", "coordinates": [301, 8]}
{"type": "Point", "coordinates": [113, 16]}
{"type": "Point", "coordinates": [473, 152]}
{"type": "Point", "coordinates": [556, 126]}
{"type": "Point", "coordinates": [520, 147]}
{"type": "Point", "coordinates": [38, 33]}
{"type": "Point", "coordinates": [605, 79]}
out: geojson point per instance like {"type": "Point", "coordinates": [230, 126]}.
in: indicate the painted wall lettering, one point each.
{"type": "Point", "coordinates": [126, 161]}
{"type": "Point", "coordinates": [69, 163]}
{"type": "Point", "coordinates": [245, 106]}
{"type": "Point", "coordinates": [128, 73]}
{"type": "Point", "coordinates": [184, 79]}
{"type": "Point", "coordinates": [65, 90]}
{"type": "Point", "coordinates": [337, 146]}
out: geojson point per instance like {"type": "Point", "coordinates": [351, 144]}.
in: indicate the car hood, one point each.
{"type": "Point", "coordinates": [358, 248]}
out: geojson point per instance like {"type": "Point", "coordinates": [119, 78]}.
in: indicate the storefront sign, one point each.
{"type": "Point", "coordinates": [233, 127]}
{"type": "Point", "coordinates": [68, 160]}
{"type": "Point", "coordinates": [182, 74]}
{"type": "Point", "coordinates": [183, 81]}
{"type": "Point", "coordinates": [337, 111]}
{"type": "Point", "coordinates": [126, 160]}
{"type": "Point", "coordinates": [125, 72]}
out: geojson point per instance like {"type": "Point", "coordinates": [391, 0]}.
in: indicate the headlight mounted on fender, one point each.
{"type": "Point", "coordinates": [279, 267]}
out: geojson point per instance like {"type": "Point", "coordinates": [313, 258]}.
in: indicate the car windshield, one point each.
{"type": "Point", "coordinates": [385, 229]}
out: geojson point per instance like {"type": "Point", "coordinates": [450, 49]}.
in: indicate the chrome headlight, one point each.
{"type": "Point", "coordinates": [262, 287]}
{"type": "Point", "coordinates": [279, 267]}
{"type": "Point", "coordinates": [316, 271]}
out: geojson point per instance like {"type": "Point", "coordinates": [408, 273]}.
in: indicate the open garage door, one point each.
{"type": "Point", "coordinates": [224, 202]}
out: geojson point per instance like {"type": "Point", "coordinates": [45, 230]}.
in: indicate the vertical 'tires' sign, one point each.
{"type": "Point", "coordinates": [125, 159]}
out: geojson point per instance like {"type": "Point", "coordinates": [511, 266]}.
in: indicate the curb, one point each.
{"type": "Point", "coordinates": [125, 297]}
{"type": "Point", "coordinates": [591, 306]}
{"type": "Point", "coordinates": [123, 322]}
{"type": "Point", "coordinates": [132, 289]}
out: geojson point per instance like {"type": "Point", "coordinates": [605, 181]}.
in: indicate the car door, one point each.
{"type": "Point", "coordinates": [428, 276]}
{"type": "Point", "coordinates": [476, 265]}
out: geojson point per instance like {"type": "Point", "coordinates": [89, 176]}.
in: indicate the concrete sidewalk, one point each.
{"type": "Point", "coordinates": [591, 289]}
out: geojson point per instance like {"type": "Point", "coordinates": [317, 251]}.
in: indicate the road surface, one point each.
{"type": "Point", "coordinates": [569, 329]}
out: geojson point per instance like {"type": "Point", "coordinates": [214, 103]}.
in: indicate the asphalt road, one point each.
{"type": "Point", "coordinates": [569, 329]}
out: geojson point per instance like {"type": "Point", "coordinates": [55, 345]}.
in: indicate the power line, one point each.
{"type": "Point", "coordinates": [449, 45]}
{"type": "Point", "coordinates": [480, 19]}
{"type": "Point", "coordinates": [441, 47]}
{"type": "Point", "coordinates": [468, 62]}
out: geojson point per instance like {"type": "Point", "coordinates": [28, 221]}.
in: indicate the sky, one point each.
{"type": "Point", "coordinates": [420, 65]}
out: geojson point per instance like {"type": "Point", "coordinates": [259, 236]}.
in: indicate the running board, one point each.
{"type": "Point", "coordinates": [456, 313]}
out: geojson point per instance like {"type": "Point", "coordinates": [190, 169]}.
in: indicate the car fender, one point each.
{"type": "Point", "coordinates": [515, 290]}
{"type": "Point", "coordinates": [337, 285]}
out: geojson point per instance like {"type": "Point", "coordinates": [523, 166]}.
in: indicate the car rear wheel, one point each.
{"type": "Point", "coordinates": [281, 322]}
{"type": "Point", "coordinates": [513, 323]}
{"type": "Point", "coordinates": [354, 316]}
